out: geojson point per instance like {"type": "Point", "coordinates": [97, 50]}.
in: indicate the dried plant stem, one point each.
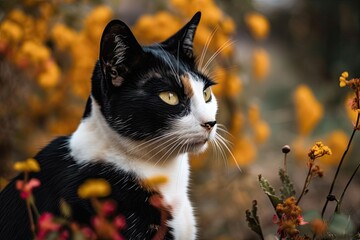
{"type": "Point", "coordinates": [28, 207]}
{"type": "Point", "coordinates": [338, 206]}
{"type": "Point", "coordinates": [306, 184]}
{"type": "Point", "coordinates": [340, 164]}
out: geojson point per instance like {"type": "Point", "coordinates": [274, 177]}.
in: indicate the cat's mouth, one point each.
{"type": "Point", "coordinates": [197, 145]}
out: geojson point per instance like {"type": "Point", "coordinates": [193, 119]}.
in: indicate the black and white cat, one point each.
{"type": "Point", "coordinates": [149, 107]}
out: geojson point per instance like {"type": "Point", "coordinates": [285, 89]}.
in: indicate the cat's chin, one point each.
{"type": "Point", "coordinates": [198, 147]}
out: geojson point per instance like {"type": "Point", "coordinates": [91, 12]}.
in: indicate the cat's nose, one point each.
{"type": "Point", "coordinates": [209, 125]}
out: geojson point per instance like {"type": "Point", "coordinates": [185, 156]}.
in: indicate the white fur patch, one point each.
{"type": "Point", "coordinates": [94, 140]}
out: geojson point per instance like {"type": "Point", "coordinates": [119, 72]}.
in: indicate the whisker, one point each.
{"type": "Point", "coordinates": [224, 143]}
{"type": "Point", "coordinates": [206, 46]}
{"type": "Point", "coordinates": [172, 67]}
{"type": "Point", "coordinates": [222, 47]}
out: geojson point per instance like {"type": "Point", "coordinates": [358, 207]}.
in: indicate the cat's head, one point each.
{"type": "Point", "coordinates": [155, 93]}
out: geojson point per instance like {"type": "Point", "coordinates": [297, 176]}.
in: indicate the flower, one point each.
{"type": "Point", "coordinates": [51, 76]}
{"type": "Point", "coordinates": [29, 165]}
{"type": "Point", "coordinates": [319, 227]}
{"type": "Point", "coordinates": [342, 79]}
{"type": "Point", "coordinates": [108, 208]}
{"type": "Point", "coordinates": [154, 182]}
{"type": "Point", "coordinates": [308, 109]}
{"type": "Point", "coordinates": [26, 188]}
{"type": "Point", "coordinates": [337, 141]}
{"type": "Point", "coordinates": [258, 24]}
{"type": "Point", "coordinates": [260, 63]}
{"type": "Point", "coordinates": [94, 188]}
{"type": "Point", "coordinates": [290, 218]}
{"type": "Point", "coordinates": [244, 152]}
{"type": "Point", "coordinates": [46, 224]}
{"type": "Point", "coordinates": [319, 150]}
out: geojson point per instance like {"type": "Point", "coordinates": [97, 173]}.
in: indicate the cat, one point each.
{"type": "Point", "coordinates": [149, 107]}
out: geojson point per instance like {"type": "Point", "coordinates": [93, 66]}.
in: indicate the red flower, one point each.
{"type": "Point", "coordinates": [120, 222]}
{"type": "Point", "coordinates": [26, 188]}
{"type": "Point", "coordinates": [108, 208]}
{"type": "Point", "coordinates": [46, 225]}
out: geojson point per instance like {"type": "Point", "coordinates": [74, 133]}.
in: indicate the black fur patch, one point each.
{"type": "Point", "coordinates": [60, 178]}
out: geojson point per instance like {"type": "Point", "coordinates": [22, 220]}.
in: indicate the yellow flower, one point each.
{"type": "Point", "coordinates": [345, 74]}
{"type": "Point", "coordinates": [63, 37]}
{"type": "Point", "coordinates": [95, 23]}
{"type": "Point", "coordinates": [94, 188]}
{"type": "Point", "coordinates": [319, 150]}
{"type": "Point", "coordinates": [237, 123]}
{"type": "Point", "coordinates": [254, 114]}
{"type": "Point", "coordinates": [29, 165]}
{"type": "Point", "coordinates": [244, 152]}
{"type": "Point", "coordinates": [228, 25]}
{"type": "Point", "coordinates": [154, 182]}
{"type": "Point", "coordinates": [220, 76]}
{"type": "Point", "coordinates": [260, 127]}
{"type": "Point", "coordinates": [260, 64]}
{"type": "Point", "coordinates": [10, 32]}
{"type": "Point", "coordinates": [262, 132]}
{"type": "Point", "coordinates": [258, 24]}
{"type": "Point", "coordinates": [308, 110]}
{"type": "Point", "coordinates": [300, 148]}
{"type": "Point", "coordinates": [34, 52]}
{"type": "Point", "coordinates": [342, 79]}
{"type": "Point", "coordinates": [17, 16]}
{"type": "Point", "coordinates": [337, 142]}
{"type": "Point", "coordinates": [51, 76]}
{"type": "Point", "coordinates": [233, 85]}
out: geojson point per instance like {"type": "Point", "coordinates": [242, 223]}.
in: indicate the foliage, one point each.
{"type": "Point", "coordinates": [287, 209]}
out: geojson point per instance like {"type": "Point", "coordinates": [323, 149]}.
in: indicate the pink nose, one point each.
{"type": "Point", "coordinates": [209, 125]}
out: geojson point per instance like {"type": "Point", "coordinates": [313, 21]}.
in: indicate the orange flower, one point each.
{"type": "Point", "coordinates": [307, 108]}
{"type": "Point", "coordinates": [258, 24]}
{"type": "Point", "coordinates": [260, 64]}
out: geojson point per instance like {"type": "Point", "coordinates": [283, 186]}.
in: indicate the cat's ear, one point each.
{"type": "Point", "coordinates": [182, 42]}
{"type": "Point", "coordinates": [119, 51]}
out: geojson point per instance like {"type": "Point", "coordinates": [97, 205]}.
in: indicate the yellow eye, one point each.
{"type": "Point", "coordinates": [169, 97]}
{"type": "Point", "coordinates": [207, 94]}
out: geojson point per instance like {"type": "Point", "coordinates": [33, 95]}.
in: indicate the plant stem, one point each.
{"type": "Point", "coordinates": [337, 209]}
{"type": "Point", "coordinates": [306, 184]}
{"type": "Point", "coordinates": [285, 168]}
{"type": "Point", "coordinates": [28, 207]}
{"type": "Point", "coordinates": [340, 164]}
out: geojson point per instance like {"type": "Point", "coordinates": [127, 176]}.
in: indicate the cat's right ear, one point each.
{"type": "Point", "coordinates": [119, 52]}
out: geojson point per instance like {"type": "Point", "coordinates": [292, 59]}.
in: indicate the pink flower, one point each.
{"type": "Point", "coordinates": [46, 225]}
{"type": "Point", "coordinates": [108, 207]}
{"type": "Point", "coordinates": [119, 222]}
{"type": "Point", "coordinates": [26, 188]}
{"type": "Point", "coordinates": [88, 233]}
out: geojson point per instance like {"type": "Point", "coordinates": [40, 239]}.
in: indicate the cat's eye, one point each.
{"type": "Point", "coordinates": [170, 98]}
{"type": "Point", "coordinates": [207, 94]}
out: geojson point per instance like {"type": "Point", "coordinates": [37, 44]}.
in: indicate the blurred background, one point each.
{"type": "Point", "coordinates": [277, 63]}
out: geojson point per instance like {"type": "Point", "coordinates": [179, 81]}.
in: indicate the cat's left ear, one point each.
{"type": "Point", "coordinates": [181, 43]}
{"type": "Point", "coordinates": [119, 52]}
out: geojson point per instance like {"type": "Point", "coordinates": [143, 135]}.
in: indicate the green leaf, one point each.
{"type": "Point", "coordinates": [65, 208]}
{"type": "Point", "coordinates": [287, 190]}
{"type": "Point", "coordinates": [253, 220]}
{"type": "Point", "coordinates": [341, 224]}
{"type": "Point", "coordinates": [269, 191]}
